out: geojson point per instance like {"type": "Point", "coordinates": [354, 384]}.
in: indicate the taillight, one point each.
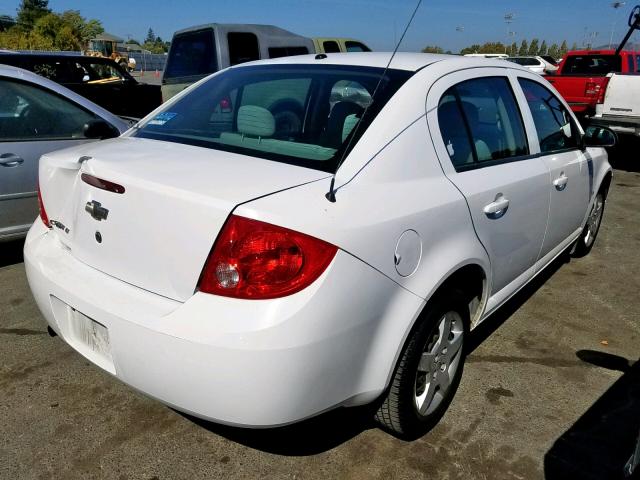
{"type": "Point", "coordinates": [43, 212]}
{"type": "Point", "coordinates": [591, 89]}
{"type": "Point", "coordinates": [603, 90]}
{"type": "Point", "coordinates": [257, 260]}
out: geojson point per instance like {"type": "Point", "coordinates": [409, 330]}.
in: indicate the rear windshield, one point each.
{"type": "Point", "coordinates": [591, 64]}
{"type": "Point", "coordinates": [306, 115]}
{"type": "Point", "coordinates": [192, 54]}
{"type": "Point", "coordinates": [524, 61]}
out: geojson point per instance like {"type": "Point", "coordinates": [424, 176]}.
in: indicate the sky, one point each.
{"type": "Point", "coordinates": [451, 24]}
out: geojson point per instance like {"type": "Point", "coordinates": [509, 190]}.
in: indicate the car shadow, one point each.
{"type": "Point", "coordinates": [11, 252]}
{"type": "Point", "coordinates": [500, 316]}
{"type": "Point", "coordinates": [310, 437]}
{"type": "Point", "coordinates": [599, 444]}
{"type": "Point", "coordinates": [625, 155]}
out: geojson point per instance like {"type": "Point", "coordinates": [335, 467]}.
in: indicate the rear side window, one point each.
{"type": "Point", "coordinates": [192, 54]}
{"type": "Point", "coordinates": [277, 52]}
{"type": "Point", "coordinates": [591, 64]}
{"type": "Point", "coordinates": [556, 130]}
{"type": "Point", "coordinates": [330, 46]}
{"type": "Point", "coordinates": [637, 63]}
{"type": "Point", "coordinates": [480, 123]}
{"type": "Point", "coordinates": [243, 47]}
{"type": "Point", "coordinates": [630, 65]}
{"type": "Point", "coordinates": [356, 47]}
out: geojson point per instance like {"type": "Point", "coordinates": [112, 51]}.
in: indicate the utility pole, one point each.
{"type": "Point", "coordinates": [508, 19]}
{"type": "Point", "coordinates": [616, 6]}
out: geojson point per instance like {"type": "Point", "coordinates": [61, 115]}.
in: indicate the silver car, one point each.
{"type": "Point", "coordinates": [38, 116]}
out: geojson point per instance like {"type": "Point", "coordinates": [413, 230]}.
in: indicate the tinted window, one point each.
{"type": "Point", "coordinates": [556, 130]}
{"type": "Point", "coordinates": [277, 52]}
{"type": "Point", "coordinates": [480, 122]}
{"type": "Point", "coordinates": [356, 47]}
{"type": "Point", "coordinates": [527, 62]}
{"type": "Point", "coordinates": [192, 54]}
{"type": "Point", "coordinates": [630, 66]}
{"type": "Point", "coordinates": [331, 47]}
{"type": "Point", "coordinates": [286, 113]}
{"type": "Point", "coordinates": [591, 64]}
{"type": "Point", "coordinates": [31, 113]}
{"type": "Point", "coordinates": [243, 47]}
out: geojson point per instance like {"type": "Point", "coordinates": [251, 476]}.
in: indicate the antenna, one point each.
{"type": "Point", "coordinates": [331, 194]}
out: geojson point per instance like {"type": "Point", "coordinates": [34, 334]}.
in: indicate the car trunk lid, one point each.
{"type": "Point", "coordinates": [156, 234]}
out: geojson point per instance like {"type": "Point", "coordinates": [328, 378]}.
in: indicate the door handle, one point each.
{"type": "Point", "coordinates": [497, 208]}
{"type": "Point", "coordinates": [561, 182]}
{"type": "Point", "coordinates": [10, 160]}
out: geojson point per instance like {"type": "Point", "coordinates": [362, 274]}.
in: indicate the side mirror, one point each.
{"type": "Point", "coordinates": [597, 136]}
{"type": "Point", "coordinates": [100, 129]}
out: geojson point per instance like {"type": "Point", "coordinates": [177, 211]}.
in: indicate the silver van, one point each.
{"type": "Point", "coordinates": [199, 51]}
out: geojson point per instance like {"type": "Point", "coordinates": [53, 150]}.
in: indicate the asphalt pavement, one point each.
{"type": "Point", "coordinates": [551, 390]}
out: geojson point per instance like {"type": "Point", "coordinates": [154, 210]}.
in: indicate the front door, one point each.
{"type": "Point", "coordinates": [571, 172]}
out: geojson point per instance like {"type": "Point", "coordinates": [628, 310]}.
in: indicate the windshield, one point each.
{"type": "Point", "coordinates": [299, 114]}
{"type": "Point", "coordinates": [591, 64]}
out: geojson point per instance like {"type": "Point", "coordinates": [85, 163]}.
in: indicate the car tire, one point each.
{"type": "Point", "coordinates": [429, 369]}
{"type": "Point", "coordinates": [587, 238]}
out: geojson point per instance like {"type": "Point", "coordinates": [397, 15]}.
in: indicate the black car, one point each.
{"type": "Point", "coordinates": [101, 80]}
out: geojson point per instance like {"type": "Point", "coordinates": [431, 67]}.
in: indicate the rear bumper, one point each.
{"type": "Point", "coordinates": [621, 125]}
{"type": "Point", "coordinates": [248, 363]}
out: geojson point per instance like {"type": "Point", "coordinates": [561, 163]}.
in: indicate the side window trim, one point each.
{"type": "Point", "coordinates": [61, 98]}
{"type": "Point", "coordinates": [534, 134]}
{"type": "Point", "coordinates": [476, 164]}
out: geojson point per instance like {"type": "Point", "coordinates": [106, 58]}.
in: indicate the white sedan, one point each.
{"type": "Point", "coordinates": [258, 251]}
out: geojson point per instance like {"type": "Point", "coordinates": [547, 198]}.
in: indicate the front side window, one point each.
{"type": "Point", "coordinates": [29, 113]}
{"type": "Point", "coordinates": [556, 130]}
{"type": "Point", "coordinates": [480, 123]}
{"type": "Point", "coordinates": [100, 73]}
{"type": "Point", "coordinates": [307, 115]}
{"type": "Point", "coordinates": [192, 55]}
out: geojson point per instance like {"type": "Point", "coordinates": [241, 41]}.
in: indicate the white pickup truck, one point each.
{"type": "Point", "coordinates": [620, 110]}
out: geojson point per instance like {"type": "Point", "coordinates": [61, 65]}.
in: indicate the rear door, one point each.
{"type": "Point", "coordinates": [558, 141]}
{"type": "Point", "coordinates": [33, 121]}
{"type": "Point", "coordinates": [480, 139]}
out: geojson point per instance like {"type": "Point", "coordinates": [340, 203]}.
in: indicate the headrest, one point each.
{"type": "Point", "coordinates": [256, 121]}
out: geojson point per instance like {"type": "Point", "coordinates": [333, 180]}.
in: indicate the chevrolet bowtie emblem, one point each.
{"type": "Point", "coordinates": [96, 210]}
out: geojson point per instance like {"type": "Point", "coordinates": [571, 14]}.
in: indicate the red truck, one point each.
{"type": "Point", "coordinates": [582, 76]}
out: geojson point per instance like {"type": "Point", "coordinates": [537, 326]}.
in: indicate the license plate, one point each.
{"type": "Point", "coordinates": [93, 336]}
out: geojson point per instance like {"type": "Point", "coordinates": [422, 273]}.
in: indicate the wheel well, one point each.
{"type": "Point", "coordinates": [606, 182]}
{"type": "Point", "coordinates": [471, 280]}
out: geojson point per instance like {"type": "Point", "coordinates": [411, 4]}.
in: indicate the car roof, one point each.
{"type": "Point", "coordinates": [16, 73]}
{"type": "Point", "coordinates": [401, 61]}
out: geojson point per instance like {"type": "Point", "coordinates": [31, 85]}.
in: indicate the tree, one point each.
{"type": "Point", "coordinates": [533, 47]}
{"type": "Point", "coordinates": [524, 48]}
{"type": "Point", "coordinates": [574, 46]}
{"type": "Point", "coordinates": [475, 48]}
{"type": "Point", "coordinates": [543, 48]}
{"type": "Point", "coordinates": [513, 49]}
{"type": "Point", "coordinates": [151, 37]}
{"type": "Point", "coordinates": [432, 49]}
{"type": "Point", "coordinates": [563, 48]}
{"type": "Point", "coordinates": [30, 11]}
